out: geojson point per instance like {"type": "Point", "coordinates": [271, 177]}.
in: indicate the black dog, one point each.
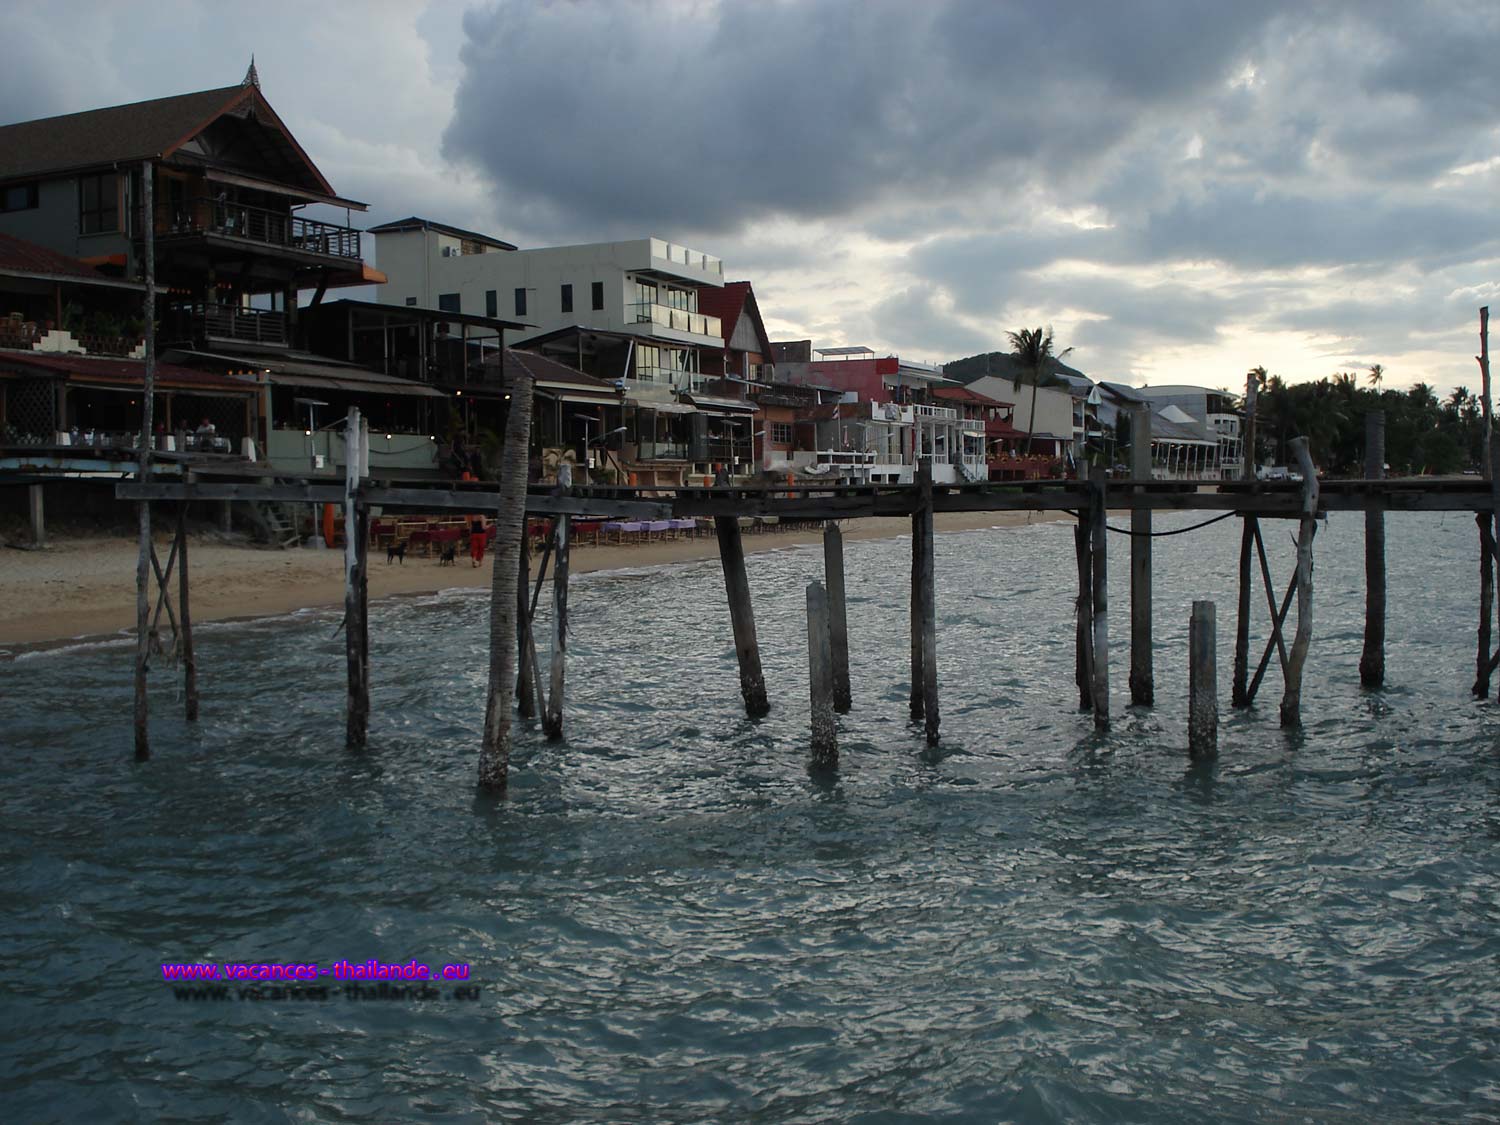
{"type": "Point", "coordinates": [450, 555]}
{"type": "Point", "coordinates": [396, 551]}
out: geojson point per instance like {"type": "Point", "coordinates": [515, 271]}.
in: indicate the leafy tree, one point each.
{"type": "Point", "coordinates": [1035, 358]}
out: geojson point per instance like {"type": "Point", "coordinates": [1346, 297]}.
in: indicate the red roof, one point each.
{"type": "Point", "coordinates": [725, 301]}
{"type": "Point", "coordinates": [963, 394]}
{"type": "Point", "coordinates": [128, 372]}
{"type": "Point", "coordinates": [20, 256]}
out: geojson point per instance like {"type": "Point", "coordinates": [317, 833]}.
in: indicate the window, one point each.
{"type": "Point", "coordinates": [781, 433]}
{"type": "Point", "coordinates": [491, 303]}
{"type": "Point", "coordinates": [597, 289]}
{"type": "Point", "coordinates": [567, 298]}
{"type": "Point", "coordinates": [449, 302]}
{"type": "Point", "coordinates": [98, 203]}
{"type": "Point", "coordinates": [18, 197]}
{"type": "Point", "coordinates": [411, 300]}
{"type": "Point", "coordinates": [520, 302]}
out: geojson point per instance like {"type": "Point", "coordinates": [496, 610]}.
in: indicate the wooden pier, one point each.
{"type": "Point", "coordinates": [181, 481]}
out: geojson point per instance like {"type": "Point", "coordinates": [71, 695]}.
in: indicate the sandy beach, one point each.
{"type": "Point", "coordinates": [85, 587]}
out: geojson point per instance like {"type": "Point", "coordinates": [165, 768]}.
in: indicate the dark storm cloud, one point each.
{"type": "Point", "coordinates": [637, 115]}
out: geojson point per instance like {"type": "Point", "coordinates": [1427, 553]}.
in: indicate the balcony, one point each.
{"type": "Point", "coordinates": [682, 256]}
{"type": "Point", "coordinates": [257, 224]}
{"type": "Point", "coordinates": [208, 323]}
{"type": "Point", "coordinates": [647, 312]}
{"type": "Point", "coordinates": [661, 451]}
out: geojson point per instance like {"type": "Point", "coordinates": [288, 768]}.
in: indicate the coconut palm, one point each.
{"type": "Point", "coordinates": [510, 526]}
{"type": "Point", "coordinates": [1377, 373]}
{"type": "Point", "coordinates": [1034, 356]}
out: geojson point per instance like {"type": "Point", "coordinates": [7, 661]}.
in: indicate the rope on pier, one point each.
{"type": "Point", "coordinates": [1161, 534]}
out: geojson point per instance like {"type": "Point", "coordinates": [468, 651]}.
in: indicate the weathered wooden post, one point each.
{"type": "Point", "coordinates": [1291, 700]}
{"type": "Point", "coordinates": [917, 673]}
{"type": "Point", "coordinates": [1142, 676]}
{"type": "Point", "coordinates": [189, 660]}
{"type": "Point", "coordinates": [838, 618]}
{"type": "Point", "coordinates": [510, 527]}
{"type": "Point", "coordinates": [1494, 532]}
{"type": "Point", "coordinates": [357, 709]}
{"type": "Point", "coordinates": [525, 675]}
{"type": "Point", "coordinates": [1099, 553]}
{"type": "Point", "coordinates": [1372, 659]}
{"type": "Point", "coordinates": [1083, 626]}
{"type": "Point", "coordinates": [552, 722]}
{"type": "Point", "coordinates": [143, 473]}
{"type": "Point", "coordinates": [1483, 359]}
{"type": "Point", "coordinates": [825, 746]}
{"type": "Point", "coordinates": [1486, 603]}
{"type": "Point", "coordinates": [927, 597]}
{"type": "Point", "coordinates": [1203, 682]}
{"type": "Point", "coordinates": [38, 515]}
{"type": "Point", "coordinates": [741, 615]}
{"type": "Point", "coordinates": [1239, 692]}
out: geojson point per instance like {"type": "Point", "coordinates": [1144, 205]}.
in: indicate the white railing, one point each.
{"type": "Point", "coordinates": [649, 312]}
{"type": "Point", "coordinates": [682, 256]}
{"type": "Point", "coordinates": [937, 413]}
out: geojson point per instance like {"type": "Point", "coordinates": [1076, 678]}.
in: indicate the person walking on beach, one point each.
{"type": "Point", "coordinates": [478, 538]}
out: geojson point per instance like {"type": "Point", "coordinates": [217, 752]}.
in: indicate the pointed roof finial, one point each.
{"type": "Point", "coordinates": [251, 78]}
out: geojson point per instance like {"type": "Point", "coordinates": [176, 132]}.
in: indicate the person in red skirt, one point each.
{"type": "Point", "coordinates": [478, 537]}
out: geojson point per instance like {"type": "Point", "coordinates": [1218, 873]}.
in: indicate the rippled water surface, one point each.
{"type": "Point", "coordinates": [669, 919]}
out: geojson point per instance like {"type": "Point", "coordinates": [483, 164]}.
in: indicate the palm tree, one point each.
{"type": "Point", "coordinates": [1034, 356]}
{"type": "Point", "coordinates": [1377, 373]}
{"type": "Point", "coordinates": [510, 526]}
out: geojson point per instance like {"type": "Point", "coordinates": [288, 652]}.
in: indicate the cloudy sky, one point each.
{"type": "Point", "coordinates": [1181, 189]}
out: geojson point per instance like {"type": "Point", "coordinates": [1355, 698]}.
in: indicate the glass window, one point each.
{"type": "Point", "coordinates": [520, 302]}
{"type": "Point", "coordinates": [449, 302]}
{"type": "Point", "coordinates": [491, 303]}
{"type": "Point", "coordinates": [18, 197]}
{"type": "Point", "coordinates": [781, 433]}
{"type": "Point", "coordinates": [98, 203]}
{"type": "Point", "coordinates": [598, 294]}
{"type": "Point", "coordinates": [411, 300]}
{"type": "Point", "coordinates": [567, 298]}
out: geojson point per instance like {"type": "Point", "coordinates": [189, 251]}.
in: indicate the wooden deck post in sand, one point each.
{"type": "Point", "coordinates": [1372, 658]}
{"type": "Point", "coordinates": [825, 744]}
{"type": "Point", "coordinates": [741, 616]}
{"type": "Point", "coordinates": [838, 617]}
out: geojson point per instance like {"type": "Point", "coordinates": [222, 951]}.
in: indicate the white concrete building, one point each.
{"type": "Point", "coordinates": [644, 287]}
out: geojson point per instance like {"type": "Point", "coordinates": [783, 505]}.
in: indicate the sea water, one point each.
{"type": "Point", "coordinates": [670, 919]}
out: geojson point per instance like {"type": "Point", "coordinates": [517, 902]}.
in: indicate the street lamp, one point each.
{"type": "Point", "coordinates": [312, 405]}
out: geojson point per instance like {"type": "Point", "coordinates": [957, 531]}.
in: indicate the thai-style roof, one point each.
{"type": "Point", "coordinates": [153, 130]}
{"type": "Point", "coordinates": [964, 394]}
{"type": "Point", "coordinates": [121, 372]}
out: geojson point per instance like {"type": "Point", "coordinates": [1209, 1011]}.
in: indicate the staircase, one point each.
{"type": "Point", "coordinates": [276, 523]}
{"type": "Point", "coordinates": [971, 474]}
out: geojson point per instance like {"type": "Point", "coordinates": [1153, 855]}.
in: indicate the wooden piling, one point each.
{"type": "Point", "coordinates": [552, 721]}
{"type": "Point", "coordinates": [917, 674]}
{"type": "Point", "coordinates": [1372, 659]}
{"type": "Point", "coordinates": [1239, 692]}
{"type": "Point", "coordinates": [1142, 676]}
{"type": "Point", "coordinates": [1099, 557]}
{"type": "Point", "coordinates": [525, 673]}
{"type": "Point", "coordinates": [1291, 700]}
{"type": "Point", "coordinates": [741, 615]}
{"type": "Point", "coordinates": [927, 596]}
{"type": "Point", "coordinates": [1203, 681]}
{"type": "Point", "coordinates": [1083, 627]}
{"type": "Point", "coordinates": [357, 706]}
{"type": "Point", "coordinates": [189, 660]}
{"type": "Point", "coordinates": [1483, 662]}
{"type": "Point", "coordinates": [143, 473]}
{"type": "Point", "coordinates": [825, 747]}
{"type": "Point", "coordinates": [838, 619]}
{"type": "Point", "coordinates": [1483, 359]}
{"type": "Point", "coordinates": [510, 528]}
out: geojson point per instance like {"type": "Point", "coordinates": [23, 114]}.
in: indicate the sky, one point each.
{"type": "Point", "coordinates": [1181, 190]}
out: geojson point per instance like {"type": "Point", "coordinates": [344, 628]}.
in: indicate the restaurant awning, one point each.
{"type": "Point", "coordinates": [662, 407]}
{"type": "Point", "coordinates": [299, 371]}
{"type": "Point", "coordinates": [710, 405]}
